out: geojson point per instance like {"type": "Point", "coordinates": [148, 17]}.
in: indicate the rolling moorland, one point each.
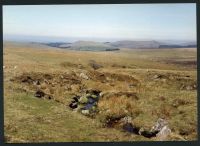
{"type": "Point", "coordinates": [113, 46]}
{"type": "Point", "coordinates": [144, 84]}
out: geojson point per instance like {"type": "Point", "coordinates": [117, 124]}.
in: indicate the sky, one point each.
{"type": "Point", "coordinates": [103, 22]}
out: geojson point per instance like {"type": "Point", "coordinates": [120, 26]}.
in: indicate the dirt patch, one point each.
{"type": "Point", "coordinates": [124, 122]}
{"type": "Point", "coordinates": [55, 86]}
{"type": "Point", "coordinates": [94, 64]}
{"type": "Point", "coordinates": [123, 66]}
{"type": "Point", "coordinates": [119, 66]}
{"type": "Point", "coordinates": [180, 102]}
{"type": "Point", "coordinates": [51, 79]}
{"type": "Point", "coordinates": [69, 64]}
{"type": "Point", "coordinates": [132, 95]}
{"type": "Point", "coordinates": [181, 82]}
{"type": "Point", "coordinates": [113, 121]}
{"type": "Point", "coordinates": [111, 77]}
{"type": "Point", "coordinates": [41, 94]}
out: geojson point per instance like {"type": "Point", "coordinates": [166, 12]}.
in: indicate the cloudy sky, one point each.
{"type": "Point", "coordinates": [115, 21]}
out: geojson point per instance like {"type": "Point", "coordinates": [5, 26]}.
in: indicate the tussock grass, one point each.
{"type": "Point", "coordinates": [29, 119]}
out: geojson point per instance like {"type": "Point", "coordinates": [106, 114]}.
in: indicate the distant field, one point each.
{"type": "Point", "coordinates": [164, 81]}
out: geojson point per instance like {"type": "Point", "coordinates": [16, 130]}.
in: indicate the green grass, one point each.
{"type": "Point", "coordinates": [29, 119]}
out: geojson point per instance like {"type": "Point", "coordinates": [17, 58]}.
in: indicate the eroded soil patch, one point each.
{"type": "Point", "coordinates": [111, 77]}
{"type": "Point", "coordinates": [180, 82]}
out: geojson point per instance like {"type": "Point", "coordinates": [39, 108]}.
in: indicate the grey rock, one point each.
{"type": "Point", "coordinates": [159, 125]}
{"type": "Point", "coordinates": [85, 112]}
{"type": "Point", "coordinates": [84, 76]}
{"type": "Point", "coordinates": [164, 133]}
{"type": "Point", "coordinates": [127, 119]}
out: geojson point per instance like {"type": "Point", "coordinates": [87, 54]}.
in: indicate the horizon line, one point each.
{"type": "Point", "coordinates": [11, 37]}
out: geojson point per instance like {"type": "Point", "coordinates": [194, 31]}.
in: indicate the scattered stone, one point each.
{"type": "Point", "coordinates": [159, 76]}
{"type": "Point", "coordinates": [146, 133]}
{"type": "Point", "coordinates": [127, 119]}
{"type": "Point", "coordinates": [74, 102]}
{"type": "Point", "coordinates": [156, 76]}
{"type": "Point", "coordinates": [132, 85]}
{"type": "Point", "coordinates": [86, 102]}
{"type": "Point", "coordinates": [27, 79]}
{"type": "Point", "coordinates": [39, 94]}
{"type": "Point", "coordinates": [73, 105]}
{"type": "Point", "coordinates": [130, 128]}
{"type": "Point", "coordinates": [179, 102]}
{"type": "Point", "coordinates": [188, 87]}
{"type": "Point", "coordinates": [83, 100]}
{"type": "Point", "coordinates": [75, 88]}
{"type": "Point", "coordinates": [159, 125]}
{"type": "Point", "coordinates": [184, 132]}
{"type": "Point", "coordinates": [111, 121]}
{"type": "Point", "coordinates": [76, 98]}
{"type": "Point", "coordinates": [93, 92]}
{"type": "Point", "coordinates": [159, 130]}
{"type": "Point", "coordinates": [164, 133]}
{"type": "Point", "coordinates": [94, 64]}
{"type": "Point", "coordinates": [36, 82]}
{"type": "Point", "coordinates": [48, 96]}
{"type": "Point", "coordinates": [84, 76]}
{"type": "Point", "coordinates": [85, 112]}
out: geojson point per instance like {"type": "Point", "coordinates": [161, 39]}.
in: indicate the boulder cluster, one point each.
{"type": "Point", "coordinates": [87, 103]}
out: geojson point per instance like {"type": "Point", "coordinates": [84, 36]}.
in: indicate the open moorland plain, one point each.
{"type": "Point", "coordinates": [142, 84]}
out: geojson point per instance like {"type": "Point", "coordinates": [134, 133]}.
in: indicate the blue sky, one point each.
{"type": "Point", "coordinates": [116, 21]}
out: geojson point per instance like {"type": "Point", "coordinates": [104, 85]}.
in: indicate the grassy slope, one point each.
{"type": "Point", "coordinates": [32, 120]}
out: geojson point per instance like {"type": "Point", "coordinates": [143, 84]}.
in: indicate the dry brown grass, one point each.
{"type": "Point", "coordinates": [134, 72]}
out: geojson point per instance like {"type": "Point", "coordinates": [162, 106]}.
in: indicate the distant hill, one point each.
{"type": "Point", "coordinates": [136, 44]}
{"type": "Point", "coordinates": [177, 46]}
{"type": "Point", "coordinates": [150, 44]}
{"type": "Point", "coordinates": [92, 46]}
{"type": "Point", "coordinates": [84, 46]}
{"type": "Point", "coordinates": [114, 46]}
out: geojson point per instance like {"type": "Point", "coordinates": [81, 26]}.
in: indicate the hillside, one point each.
{"type": "Point", "coordinates": [92, 46]}
{"type": "Point", "coordinates": [113, 46]}
{"type": "Point", "coordinates": [143, 84]}
{"type": "Point", "coordinates": [152, 44]}
{"type": "Point", "coordinates": [136, 44]}
{"type": "Point", "coordinates": [83, 46]}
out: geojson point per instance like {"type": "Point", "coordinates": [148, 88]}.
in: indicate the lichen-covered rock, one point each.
{"type": "Point", "coordinates": [164, 133]}
{"type": "Point", "coordinates": [127, 119]}
{"type": "Point", "coordinates": [85, 112]}
{"type": "Point", "coordinates": [87, 103]}
{"type": "Point", "coordinates": [84, 76]}
{"type": "Point", "coordinates": [83, 99]}
{"type": "Point", "coordinates": [159, 125]}
{"type": "Point", "coordinates": [94, 96]}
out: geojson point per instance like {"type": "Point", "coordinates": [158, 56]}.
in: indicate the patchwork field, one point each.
{"type": "Point", "coordinates": [145, 85]}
